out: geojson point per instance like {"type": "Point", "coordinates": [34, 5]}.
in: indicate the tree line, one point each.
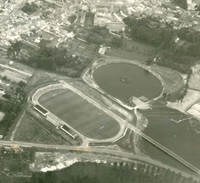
{"type": "Point", "coordinates": [118, 173]}
{"type": "Point", "coordinates": [11, 107]}
{"type": "Point", "coordinates": [138, 29]}
{"type": "Point", "coordinates": [170, 53]}
{"type": "Point", "coordinates": [53, 59]}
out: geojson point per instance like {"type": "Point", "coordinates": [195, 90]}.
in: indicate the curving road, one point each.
{"type": "Point", "coordinates": [154, 142]}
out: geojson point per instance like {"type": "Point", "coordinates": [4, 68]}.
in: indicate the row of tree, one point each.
{"type": "Point", "coordinates": [138, 29]}
{"type": "Point", "coordinates": [12, 106]}
{"type": "Point", "coordinates": [175, 60]}
{"type": "Point", "coordinates": [53, 59]}
{"type": "Point", "coordinates": [134, 173]}
{"type": "Point", "coordinates": [11, 109]}
{"type": "Point", "coordinates": [173, 54]}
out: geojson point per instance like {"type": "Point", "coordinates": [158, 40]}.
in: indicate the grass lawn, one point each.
{"type": "Point", "coordinates": [80, 114]}
{"type": "Point", "coordinates": [173, 82]}
{"type": "Point", "coordinates": [132, 55]}
{"type": "Point", "coordinates": [1, 115]}
{"type": "Point", "coordinates": [14, 76]}
{"type": "Point", "coordinates": [132, 45]}
{"type": "Point", "coordinates": [39, 77]}
{"type": "Point", "coordinates": [31, 130]}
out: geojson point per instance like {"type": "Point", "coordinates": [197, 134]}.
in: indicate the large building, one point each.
{"type": "Point", "coordinates": [102, 19]}
{"type": "Point", "coordinates": [116, 26]}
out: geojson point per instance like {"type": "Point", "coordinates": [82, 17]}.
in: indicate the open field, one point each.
{"type": "Point", "coordinates": [131, 45]}
{"type": "Point", "coordinates": [127, 54]}
{"type": "Point", "coordinates": [1, 115]}
{"type": "Point", "coordinates": [31, 130]}
{"type": "Point", "coordinates": [16, 65]}
{"type": "Point", "coordinates": [80, 114]}
{"type": "Point", "coordinates": [195, 78]}
{"type": "Point", "coordinates": [13, 76]}
{"type": "Point", "coordinates": [39, 77]}
{"type": "Point", "coordinates": [173, 82]}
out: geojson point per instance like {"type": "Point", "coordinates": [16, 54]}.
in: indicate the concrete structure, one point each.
{"type": "Point", "coordinates": [102, 19]}
{"type": "Point", "coordinates": [116, 26]}
{"type": "Point", "coordinates": [102, 50]}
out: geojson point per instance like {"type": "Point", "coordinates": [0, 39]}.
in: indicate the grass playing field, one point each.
{"type": "Point", "coordinates": [80, 114]}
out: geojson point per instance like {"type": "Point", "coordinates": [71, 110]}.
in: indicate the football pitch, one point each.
{"type": "Point", "coordinates": [81, 115]}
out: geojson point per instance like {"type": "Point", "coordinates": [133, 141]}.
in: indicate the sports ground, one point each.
{"type": "Point", "coordinates": [81, 115]}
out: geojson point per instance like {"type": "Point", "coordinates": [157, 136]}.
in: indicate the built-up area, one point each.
{"type": "Point", "coordinates": [32, 21]}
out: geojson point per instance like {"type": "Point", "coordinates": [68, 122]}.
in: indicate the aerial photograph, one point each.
{"type": "Point", "coordinates": [99, 91]}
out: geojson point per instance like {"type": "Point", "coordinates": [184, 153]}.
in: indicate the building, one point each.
{"type": "Point", "coordinates": [70, 35]}
{"type": "Point", "coordinates": [102, 19]}
{"type": "Point", "coordinates": [116, 26]}
{"type": "Point", "coordinates": [2, 91]}
{"type": "Point", "coordinates": [102, 50]}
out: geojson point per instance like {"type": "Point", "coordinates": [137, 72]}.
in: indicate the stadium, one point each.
{"type": "Point", "coordinates": [73, 112]}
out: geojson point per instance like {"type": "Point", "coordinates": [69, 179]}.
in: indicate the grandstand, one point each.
{"type": "Point", "coordinates": [41, 110]}
{"type": "Point", "coordinates": [68, 131]}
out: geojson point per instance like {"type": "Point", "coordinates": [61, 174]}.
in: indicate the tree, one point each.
{"type": "Point", "coordinates": [5, 78]}
{"type": "Point", "coordinates": [7, 96]}
{"type": "Point", "coordinates": [72, 18]}
{"type": "Point", "coordinates": [21, 84]}
{"type": "Point", "coordinates": [149, 61]}
{"type": "Point", "coordinates": [181, 3]}
{"type": "Point", "coordinates": [117, 42]}
{"type": "Point", "coordinates": [6, 107]}
{"type": "Point", "coordinates": [29, 8]}
{"type": "Point", "coordinates": [17, 46]}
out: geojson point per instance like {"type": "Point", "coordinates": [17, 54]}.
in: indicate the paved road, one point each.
{"type": "Point", "coordinates": [154, 142]}
{"type": "Point", "coordinates": [123, 123]}
{"type": "Point", "coordinates": [163, 148]}
{"type": "Point", "coordinates": [95, 150]}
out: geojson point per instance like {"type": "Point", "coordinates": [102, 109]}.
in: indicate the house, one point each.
{"type": "Point", "coordinates": [37, 40]}
{"type": "Point", "coordinates": [102, 50]}
{"type": "Point", "coordinates": [2, 91]}
{"type": "Point", "coordinates": [102, 19]}
{"type": "Point", "coordinates": [84, 7]}
{"type": "Point", "coordinates": [11, 62]}
{"type": "Point", "coordinates": [70, 35]}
